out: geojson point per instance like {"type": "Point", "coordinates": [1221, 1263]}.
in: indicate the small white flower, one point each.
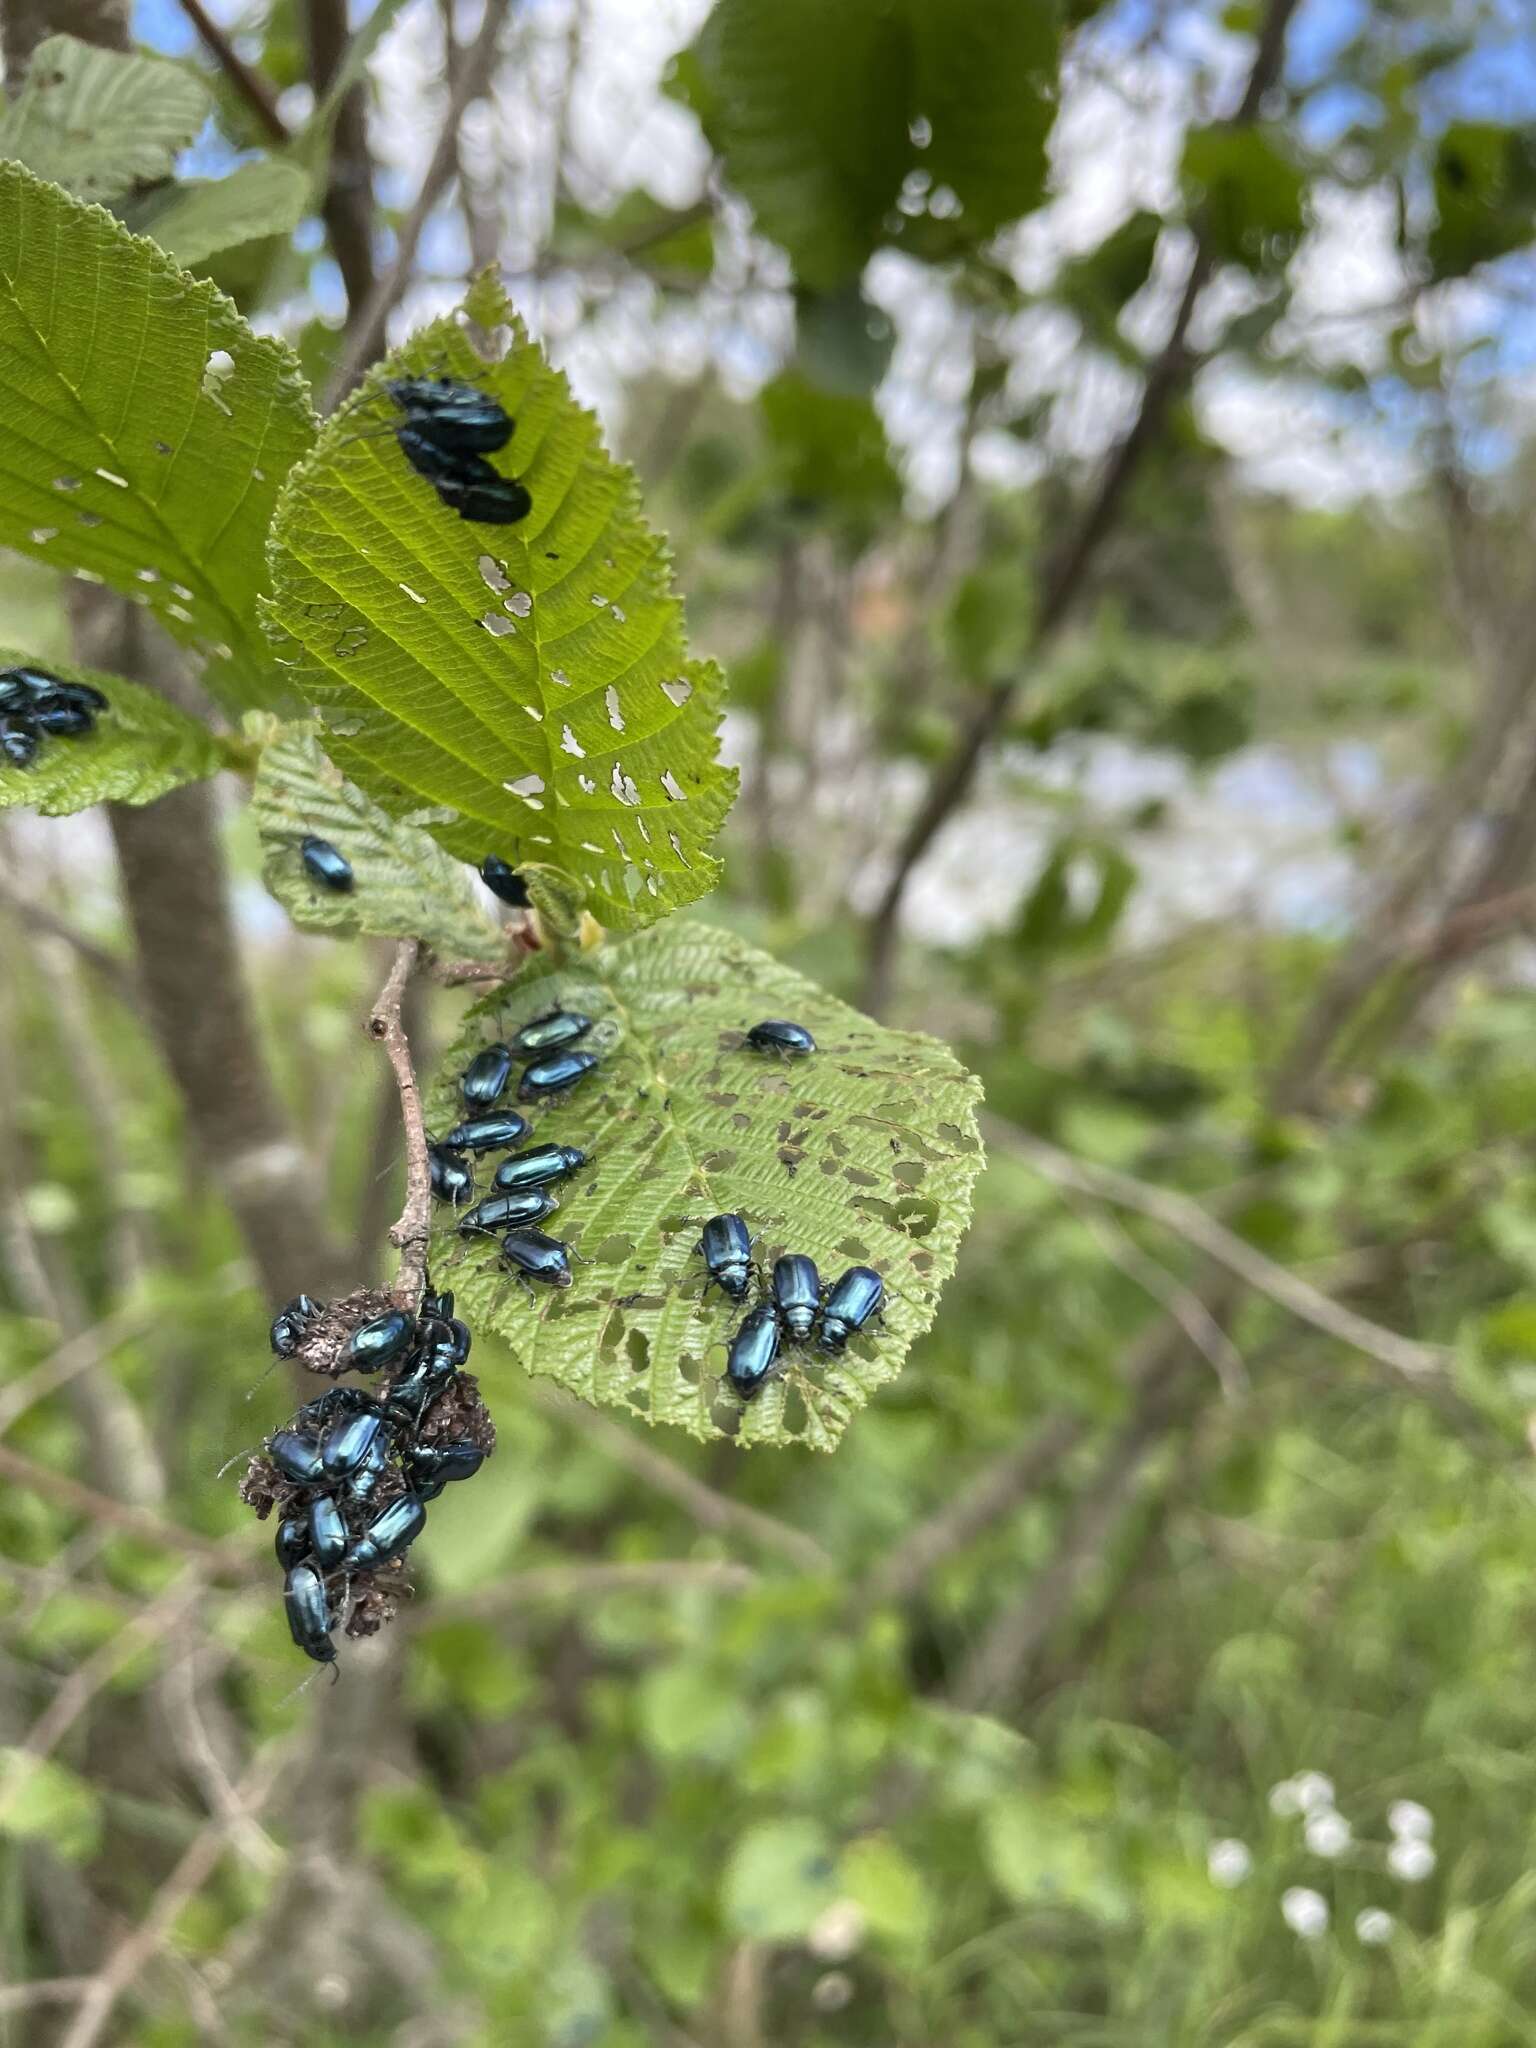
{"type": "Point", "coordinates": [1409, 1821]}
{"type": "Point", "coordinates": [1328, 1833]}
{"type": "Point", "coordinates": [1411, 1860]}
{"type": "Point", "coordinates": [837, 1932]}
{"type": "Point", "coordinates": [1305, 1912]}
{"type": "Point", "coordinates": [1228, 1862]}
{"type": "Point", "coordinates": [1282, 1797]}
{"type": "Point", "coordinates": [1313, 1791]}
{"type": "Point", "coordinates": [1373, 1926]}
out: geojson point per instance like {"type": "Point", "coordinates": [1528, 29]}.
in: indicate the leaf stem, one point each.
{"type": "Point", "coordinates": [411, 1233]}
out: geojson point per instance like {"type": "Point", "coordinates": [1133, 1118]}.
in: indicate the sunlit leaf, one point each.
{"type": "Point", "coordinates": [530, 683]}
{"type": "Point", "coordinates": [100, 122]}
{"type": "Point", "coordinates": [405, 886]}
{"type": "Point", "coordinates": [823, 114]}
{"type": "Point", "coordinates": [145, 430]}
{"type": "Point", "coordinates": [194, 220]}
{"type": "Point", "coordinates": [863, 1154]}
{"type": "Point", "coordinates": [141, 748]}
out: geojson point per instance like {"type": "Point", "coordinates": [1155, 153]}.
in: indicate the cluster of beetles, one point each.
{"type": "Point", "coordinates": [36, 706]}
{"type": "Point", "coordinates": [351, 1474]}
{"type": "Point", "coordinates": [794, 1306]}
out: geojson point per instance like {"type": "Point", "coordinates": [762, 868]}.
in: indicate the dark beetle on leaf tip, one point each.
{"type": "Point", "coordinates": [446, 1462]}
{"type": "Point", "coordinates": [775, 1034]}
{"type": "Point", "coordinates": [64, 720]}
{"type": "Point", "coordinates": [332, 870]}
{"type": "Point", "coordinates": [539, 1164]}
{"type": "Point", "coordinates": [554, 1074]}
{"type": "Point", "coordinates": [486, 1077]}
{"type": "Point", "coordinates": [754, 1352]}
{"type": "Point", "coordinates": [490, 500]}
{"type": "Point", "coordinates": [18, 742]}
{"type": "Point", "coordinates": [504, 881]}
{"type": "Point", "coordinates": [459, 418]}
{"type": "Point", "coordinates": [494, 1133]}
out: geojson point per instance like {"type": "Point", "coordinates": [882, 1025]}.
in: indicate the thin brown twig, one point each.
{"type": "Point", "coordinates": [583, 1581]}
{"type": "Point", "coordinates": [149, 1625]}
{"type": "Point", "coordinates": [1416, 1361]}
{"type": "Point", "coordinates": [1066, 572]}
{"type": "Point", "coordinates": [250, 85]}
{"type": "Point", "coordinates": [711, 1510]}
{"type": "Point", "coordinates": [412, 1233]}
{"type": "Point", "coordinates": [228, 1557]}
{"type": "Point", "coordinates": [365, 333]}
{"type": "Point", "coordinates": [196, 1865]}
{"type": "Point", "coordinates": [78, 1354]}
{"type": "Point", "coordinates": [1181, 1302]}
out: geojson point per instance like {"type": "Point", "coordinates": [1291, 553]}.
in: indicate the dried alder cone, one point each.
{"type": "Point", "coordinates": [350, 1475]}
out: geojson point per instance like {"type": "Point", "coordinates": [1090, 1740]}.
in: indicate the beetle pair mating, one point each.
{"type": "Point", "coordinates": [795, 1300]}
{"type": "Point", "coordinates": [35, 706]}
{"type": "Point", "coordinates": [449, 429]}
{"type": "Point", "coordinates": [330, 1461]}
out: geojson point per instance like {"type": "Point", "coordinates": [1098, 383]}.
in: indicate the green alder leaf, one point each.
{"type": "Point", "coordinates": [141, 748]}
{"type": "Point", "coordinates": [823, 113]}
{"type": "Point", "coordinates": [99, 122]}
{"type": "Point", "coordinates": [528, 684]}
{"type": "Point", "coordinates": [197, 218]}
{"type": "Point", "coordinates": [404, 887]}
{"type": "Point", "coordinates": [146, 428]}
{"type": "Point", "coordinates": [863, 1154]}
{"type": "Point", "coordinates": [1485, 196]}
{"type": "Point", "coordinates": [1250, 194]}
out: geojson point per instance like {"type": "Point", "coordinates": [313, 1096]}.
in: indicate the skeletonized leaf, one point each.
{"type": "Point", "coordinates": [145, 429]}
{"type": "Point", "coordinates": [99, 122]}
{"type": "Point", "coordinates": [405, 886]}
{"type": "Point", "coordinates": [863, 1154]}
{"type": "Point", "coordinates": [141, 748]}
{"type": "Point", "coordinates": [195, 219]}
{"type": "Point", "coordinates": [530, 683]}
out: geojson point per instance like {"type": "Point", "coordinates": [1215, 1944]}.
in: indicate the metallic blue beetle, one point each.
{"type": "Point", "coordinates": [796, 1294]}
{"type": "Point", "coordinates": [554, 1074]}
{"type": "Point", "coordinates": [538, 1165]}
{"type": "Point", "coordinates": [390, 1534]}
{"type": "Point", "coordinates": [754, 1352]}
{"type": "Point", "coordinates": [332, 870]}
{"type": "Point", "coordinates": [497, 1132]}
{"type": "Point", "coordinates": [486, 1076]}
{"type": "Point", "coordinates": [854, 1300]}
{"type": "Point", "coordinates": [499, 1212]}
{"type": "Point", "coordinates": [774, 1034]}
{"type": "Point", "coordinates": [309, 1613]}
{"type": "Point", "coordinates": [380, 1341]}
{"type": "Point", "coordinates": [549, 1032]}
{"type": "Point", "coordinates": [726, 1249]}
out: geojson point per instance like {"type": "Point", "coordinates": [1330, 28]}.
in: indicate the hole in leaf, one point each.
{"type": "Point", "coordinates": [558, 675]}
{"type": "Point", "coordinates": [414, 595]}
{"type": "Point", "coordinates": [493, 622]}
{"type": "Point", "coordinates": [621, 616]}
{"type": "Point", "coordinates": [66, 483]}
{"type": "Point", "coordinates": [520, 603]}
{"type": "Point", "coordinates": [670, 784]}
{"type": "Point", "coordinates": [43, 533]}
{"type": "Point", "coordinates": [528, 787]}
{"type": "Point", "coordinates": [110, 477]}
{"type": "Point", "coordinates": [677, 848]}
{"type": "Point", "coordinates": [597, 599]}
{"type": "Point", "coordinates": [639, 1349]}
{"type": "Point", "coordinates": [679, 691]}
{"type": "Point", "coordinates": [916, 1217]}
{"type": "Point", "coordinates": [89, 518]}
{"type": "Point", "coordinates": [622, 787]}
{"type": "Point", "coordinates": [494, 574]}
{"type": "Point", "coordinates": [611, 699]}
{"type": "Point", "coordinates": [613, 1251]}
{"type": "Point", "coordinates": [591, 789]}
{"type": "Point", "coordinates": [570, 744]}
{"type": "Point", "coordinates": [147, 575]}
{"type": "Point", "coordinates": [911, 1172]}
